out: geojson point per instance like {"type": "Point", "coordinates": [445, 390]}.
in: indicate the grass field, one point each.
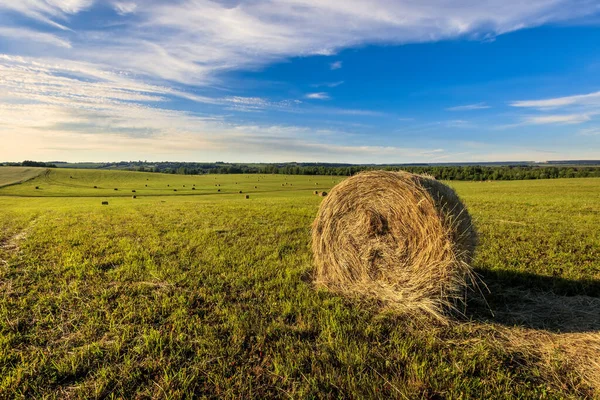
{"type": "Point", "coordinates": [200, 293]}
{"type": "Point", "coordinates": [14, 175]}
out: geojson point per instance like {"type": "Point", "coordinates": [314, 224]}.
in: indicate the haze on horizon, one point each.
{"type": "Point", "coordinates": [299, 80]}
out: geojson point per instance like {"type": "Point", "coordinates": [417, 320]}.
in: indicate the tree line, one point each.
{"type": "Point", "coordinates": [442, 172]}
{"type": "Point", "coordinates": [459, 173]}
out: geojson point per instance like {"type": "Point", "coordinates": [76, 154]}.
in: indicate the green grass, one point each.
{"type": "Point", "coordinates": [197, 293]}
{"type": "Point", "coordinates": [15, 175]}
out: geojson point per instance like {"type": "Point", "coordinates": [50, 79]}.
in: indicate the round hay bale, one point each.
{"type": "Point", "coordinates": [133, 191]}
{"type": "Point", "coordinates": [37, 187]}
{"type": "Point", "coordinates": [240, 192]}
{"type": "Point", "coordinates": [323, 194]}
{"type": "Point", "coordinates": [247, 196]}
{"type": "Point", "coordinates": [316, 192]}
{"type": "Point", "coordinates": [404, 240]}
{"type": "Point", "coordinates": [95, 187]}
{"type": "Point", "coordinates": [134, 197]}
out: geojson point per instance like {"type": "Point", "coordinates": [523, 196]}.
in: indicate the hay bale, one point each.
{"type": "Point", "coordinates": [105, 203]}
{"type": "Point", "coordinates": [133, 191]}
{"type": "Point", "coordinates": [240, 192]}
{"type": "Point", "coordinates": [116, 189]}
{"type": "Point", "coordinates": [316, 192]}
{"type": "Point", "coordinates": [218, 190]}
{"type": "Point", "coordinates": [37, 187]}
{"type": "Point", "coordinates": [255, 187]}
{"type": "Point", "coordinates": [401, 239]}
{"type": "Point", "coordinates": [95, 187]}
{"type": "Point", "coordinates": [323, 194]}
{"type": "Point", "coordinates": [193, 188]}
{"type": "Point", "coordinates": [134, 197]}
{"type": "Point", "coordinates": [247, 196]}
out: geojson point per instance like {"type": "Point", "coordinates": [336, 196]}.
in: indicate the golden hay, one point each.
{"type": "Point", "coordinates": [402, 239]}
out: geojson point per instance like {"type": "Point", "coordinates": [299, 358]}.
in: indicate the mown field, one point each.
{"type": "Point", "coordinates": [201, 293]}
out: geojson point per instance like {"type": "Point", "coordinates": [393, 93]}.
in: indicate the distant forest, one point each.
{"type": "Point", "coordinates": [467, 172]}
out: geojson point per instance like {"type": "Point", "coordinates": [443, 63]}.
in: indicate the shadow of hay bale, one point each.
{"type": "Point", "coordinates": [547, 303]}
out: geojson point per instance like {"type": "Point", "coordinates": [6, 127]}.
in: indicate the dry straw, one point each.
{"type": "Point", "coordinates": [402, 239]}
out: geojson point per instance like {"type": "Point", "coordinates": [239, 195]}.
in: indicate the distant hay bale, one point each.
{"type": "Point", "coordinates": [247, 196]}
{"type": "Point", "coordinates": [134, 197]}
{"type": "Point", "coordinates": [255, 187]}
{"type": "Point", "coordinates": [174, 190]}
{"type": "Point", "coordinates": [105, 203]}
{"type": "Point", "coordinates": [404, 240]}
{"type": "Point", "coordinates": [37, 187]}
{"type": "Point", "coordinates": [323, 194]}
{"type": "Point", "coordinates": [116, 189]}
{"type": "Point", "coordinates": [240, 192]}
{"type": "Point", "coordinates": [316, 192]}
{"type": "Point", "coordinates": [193, 188]}
{"type": "Point", "coordinates": [133, 191]}
{"type": "Point", "coordinates": [95, 187]}
{"type": "Point", "coordinates": [218, 190]}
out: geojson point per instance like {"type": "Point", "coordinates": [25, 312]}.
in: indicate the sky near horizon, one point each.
{"type": "Point", "coordinates": [380, 81]}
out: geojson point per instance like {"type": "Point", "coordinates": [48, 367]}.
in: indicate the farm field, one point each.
{"type": "Point", "coordinates": [197, 291]}
{"type": "Point", "coordinates": [14, 175]}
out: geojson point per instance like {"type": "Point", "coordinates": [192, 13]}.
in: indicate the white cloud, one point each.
{"type": "Point", "coordinates": [192, 41]}
{"type": "Point", "coordinates": [582, 99]}
{"type": "Point", "coordinates": [469, 107]}
{"type": "Point", "coordinates": [318, 96]}
{"type": "Point", "coordinates": [590, 131]}
{"type": "Point", "coordinates": [18, 34]}
{"type": "Point", "coordinates": [557, 119]}
{"type": "Point", "coordinates": [99, 94]}
{"type": "Point", "coordinates": [335, 65]}
{"type": "Point", "coordinates": [123, 8]}
{"type": "Point", "coordinates": [46, 11]}
{"type": "Point", "coordinates": [328, 84]}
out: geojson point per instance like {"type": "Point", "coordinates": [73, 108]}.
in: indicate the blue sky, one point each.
{"type": "Point", "coordinates": [377, 81]}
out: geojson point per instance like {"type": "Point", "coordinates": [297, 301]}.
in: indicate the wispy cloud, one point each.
{"type": "Point", "coordinates": [583, 99]}
{"type": "Point", "coordinates": [574, 109]}
{"type": "Point", "coordinates": [114, 88]}
{"type": "Point", "coordinates": [318, 96]}
{"type": "Point", "coordinates": [557, 119]}
{"type": "Point", "coordinates": [20, 34]}
{"type": "Point", "coordinates": [328, 84]}
{"type": "Point", "coordinates": [335, 65]}
{"type": "Point", "coordinates": [590, 131]}
{"type": "Point", "coordinates": [124, 7]}
{"type": "Point", "coordinates": [469, 107]}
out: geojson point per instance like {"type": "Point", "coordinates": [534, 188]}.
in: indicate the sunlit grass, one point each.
{"type": "Point", "coordinates": [206, 293]}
